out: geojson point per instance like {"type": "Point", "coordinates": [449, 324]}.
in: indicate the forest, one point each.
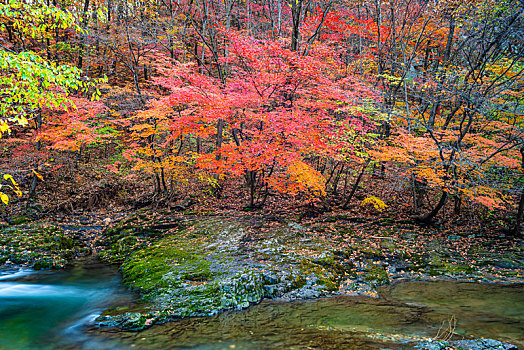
{"type": "Point", "coordinates": [197, 162]}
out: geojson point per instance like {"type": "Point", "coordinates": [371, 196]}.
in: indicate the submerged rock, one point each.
{"type": "Point", "coordinates": [475, 344]}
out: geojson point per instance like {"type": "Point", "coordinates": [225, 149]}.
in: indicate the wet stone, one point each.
{"type": "Point", "coordinates": [475, 344]}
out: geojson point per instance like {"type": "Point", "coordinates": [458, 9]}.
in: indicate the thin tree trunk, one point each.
{"type": "Point", "coordinates": [296, 11]}
{"type": "Point", "coordinates": [414, 187]}
{"type": "Point", "coordinates": [355, 185]}
{"type": "Point", "coordinates": [336, 181]}
{"type": "Point", "coordinates": [34, 181]}
{"type": "Point", "coordinates": [220, 135]}
{"type": "Point", "coordinates": [458, 204]}
{"type": "Point", "coordinates": [84, 24]}
{"type": "Point", "coordinates": [520, 211]}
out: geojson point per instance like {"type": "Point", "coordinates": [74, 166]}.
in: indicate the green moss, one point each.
{"type": "Point", "coordinates": [456, 269]}
{"type": "Point", "coordinates": [376, 274]}
{"type": "Point", "coordinates": [387, 221]}
{"type": "Point", "coordinates": [39, 246]}
{"type": "Point", "coordinates": [371, 253]}
{"type": "Point", "coordinates": [121, 241]}
{"type": "Point", "coordinates": [345, 230]}
{"type": "Point", "coordinates": [165, 264]}
{"type": "Point", "coordinates": [437, 266]}
{"type": "Point", "coordinates": [19, 220]}
{"type": "Point", "coordinates": [331, 282]}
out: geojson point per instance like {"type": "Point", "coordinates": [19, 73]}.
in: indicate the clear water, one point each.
{"type": "Point", "coordinates": [407, 312]}
{"type": "Point", "coordinates": [52, 310]}
{"type": "Point", "coordinates": [47, 309]}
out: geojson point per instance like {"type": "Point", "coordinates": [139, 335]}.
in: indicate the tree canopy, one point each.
{"type": "Point", "coordinates": [272, 99]}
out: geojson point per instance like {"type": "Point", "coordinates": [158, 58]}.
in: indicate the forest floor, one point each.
{"type": "Point", "coordinates": [187, 262]}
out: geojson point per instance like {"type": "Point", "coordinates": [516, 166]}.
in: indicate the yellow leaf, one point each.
{"type": "Point", "coordinates": [38, 175]}
{"type": "Point", "coordinates": [4, 198]}
{"type": "Point", "coordinates": [4, 127]}
{"type": "Point", "coordinates": [23, 121]}
{"type": "Point", "coordinates": [15, 187]}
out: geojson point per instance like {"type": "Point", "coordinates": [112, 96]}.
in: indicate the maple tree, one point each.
{"type": "Point", "coordinates": [449, 73]}
{"type": "Point", "coordinates": [275, 114]}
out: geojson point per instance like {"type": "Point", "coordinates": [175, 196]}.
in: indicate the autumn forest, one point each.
{"type": "Point", "coordinates": [218, 153]}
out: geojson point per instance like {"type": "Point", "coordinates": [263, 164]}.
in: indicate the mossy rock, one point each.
{"type": "Point", "coordinates": [345, 230]}
{"type": "Point", "coordinates": [120, 241]}
{"type": "Point", "coordinates": [376, 274]}
{"type": "Point", "coordinates": [19, 220]}
{"type": "Point", "coordinates": [39, 246]}
{"type": "Point", "coordinates": [166, 264]}
{"type": "Point", "coordinates": [459, 269]}
{"type": "Point", "coordinates": [371, 253]}
{"type": "Point", "coordinates": [331, 218]}
{"type": "Point", "coordinates": [203, 269]}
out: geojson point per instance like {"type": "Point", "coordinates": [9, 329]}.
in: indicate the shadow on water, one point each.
{"type": "Point", "coordinates": [50, 310]}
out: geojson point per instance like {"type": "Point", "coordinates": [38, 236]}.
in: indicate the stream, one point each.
{"type": "Point", "coordinates": [53, 309]}
{"type": "Point", "coordinates": [49, 309]}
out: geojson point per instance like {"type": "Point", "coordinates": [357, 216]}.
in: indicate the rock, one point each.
{"type": "Point", "coordinates": [354, 288]}
{"type": "Point", "coordinates": [183, 204]}
{"type": "Point", "coordinates": [84, 220]}
{"type": "Point", "coordinates": [507, 264]}
{"type": "Point", "coordinates": [18, 220]}
{"type": "Point", "coordinates": [475, 344]}
{"type": "Point", "coordinates": [39, 245]}
{"type": "Point", "coordinates": [130, 321]}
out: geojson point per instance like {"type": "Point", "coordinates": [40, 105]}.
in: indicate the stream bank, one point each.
{"type": "Point", "coordinates": [183, 265]}
{"type": "Point", "coordinates": [200, 266]}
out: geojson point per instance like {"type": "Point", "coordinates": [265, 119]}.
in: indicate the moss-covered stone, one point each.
{"type": "Point", "coordinates": [134, 233]}
{"type": "Point", "coordinates": [39, 246]}
{"type": "Point", "coordinates": [205, 268]}
{"type": "Point", "coordinates": [376, 274]}
{"type": "Point", "coordinates": [19, 220]}
{"type": "Point", "coordinates": [210, 264]}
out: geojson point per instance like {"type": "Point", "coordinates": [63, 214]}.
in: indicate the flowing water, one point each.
{"type": "Point", "coordinates": [52, 310]}
{"type": "Point", "coordinates": [48, 309]}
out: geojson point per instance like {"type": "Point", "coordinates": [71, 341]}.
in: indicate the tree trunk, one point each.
{"type": "Point", "coordinates": [458, 204]}
{"type": "Point", "coordinates": [428, 218]}
{"type": "Point", "coordinates": [520, 211]}
{"type": "Point", "coordinates": [84, 25]}
{"type": "Point", "coordinates": [220, 137]}
{"type": "Point", "coordinates": [415, 198]}
{"type": "Point", "coordinates": [355, 186]}
{"type": "Point", "coordinates": [34, 181]}
{"type": "Point", "coordinates": [296, 11]}
{"type": "Point", "coordinates": [518, 219]}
